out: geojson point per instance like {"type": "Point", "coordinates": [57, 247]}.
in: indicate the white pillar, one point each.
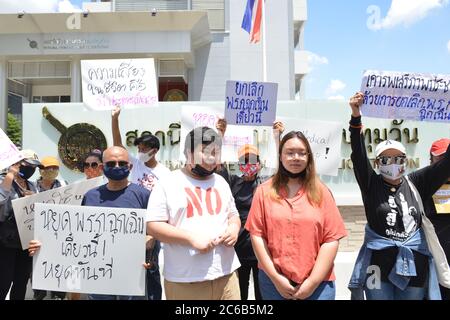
{"type": "Point", "coordinates": [75, 95]}
{"type": "Point", "coordinates": [3, 93]}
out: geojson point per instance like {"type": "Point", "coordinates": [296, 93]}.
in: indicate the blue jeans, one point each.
{"type": "Point", "coordinates": [153, 285]}
{"type": "Point", "coordinates": [388, 291]}
{"type": "Point", "coordinates": [325, 291]}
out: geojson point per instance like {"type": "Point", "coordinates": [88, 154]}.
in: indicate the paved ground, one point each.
{"type": "Point", "coordinates": [343, 267]}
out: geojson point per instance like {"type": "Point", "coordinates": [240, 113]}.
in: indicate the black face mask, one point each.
{"type": "Point", "coordinates": [201, 172]}
{"type": "Point", "coordinates": [291, 175]}
{"type": "Point", "coordinates": [26, 172]}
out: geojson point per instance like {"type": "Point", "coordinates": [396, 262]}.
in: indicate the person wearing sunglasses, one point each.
{"type": "Point", "coordinates": [119, 192]}
{"type": "Point", "coordinates": [193, 213]}
{"type": "Point", "coordinates": [92, 165]}
{"type": "Point", "coordinates": [15, 264]}
{"type": "Point", "coordinates": [147, 171]}
{"type": "Point", "coordinates": [437, 207]}
{"type": "Point", "coordinates": [394, 262]}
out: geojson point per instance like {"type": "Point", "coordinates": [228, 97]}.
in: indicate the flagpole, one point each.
{"type": "Point", "coordinates": [264, 49]}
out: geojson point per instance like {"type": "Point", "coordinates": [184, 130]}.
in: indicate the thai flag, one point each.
{"type": "Point", "coordinates": [252, 20]}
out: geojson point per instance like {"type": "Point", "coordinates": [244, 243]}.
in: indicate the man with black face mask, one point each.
{"type": "Point", "coordinates": [193, 212]}
{"type": "Point", "coordinates": [15, 264]}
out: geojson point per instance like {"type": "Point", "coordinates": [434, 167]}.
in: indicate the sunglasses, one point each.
{"type": "Point", "coordinates": [112, 164]}
{"type": "Point", "coordinates": [92, 165]}
{"type": "Point", "coordinates": [385, 160]}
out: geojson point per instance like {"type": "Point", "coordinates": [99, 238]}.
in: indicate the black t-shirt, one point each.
{"type": "Point", "coordinates": [392, 211]}
{"type": "Point", "coordinates": [243, 195]}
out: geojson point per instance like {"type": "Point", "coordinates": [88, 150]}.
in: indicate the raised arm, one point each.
{"type": "Point", "coordinates": [277, 129]}
{"type": "Point", "coordinates": [361, 165]}
{"type": "Point", "coordinates": [117, 139]}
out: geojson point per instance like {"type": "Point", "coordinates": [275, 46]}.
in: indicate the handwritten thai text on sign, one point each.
{"type": "Point", "coordinates": [90, 249]}
{"type": "Point", "coordinates": [107, 83]}
{"type": "Point", "coordinates": [409, 96]}
{"type": "Point", "coordinates": [9, 154]}
{"type": "Point", "coordinates": [251, 103]}
{"type": "Point", "coordinates": [24, 208]}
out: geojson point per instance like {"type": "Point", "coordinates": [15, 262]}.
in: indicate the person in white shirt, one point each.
{"type": "Point", "coordinates": [146, 172]}
{"type": "Point", "coordinates": [193, 213]}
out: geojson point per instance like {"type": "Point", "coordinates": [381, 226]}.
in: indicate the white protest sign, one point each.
{"type": "Point", "coordinates": [251, 103]}
{"type": "Point", "coordinates": [90, 249]}
{"type": "Point", "coordinates": [324, 138]}
{"type": "Point", "coordinates": [409, 96]}
{"type": "Point", "coordinates": [9, 154]}
{"type": "Point", "coordinates": [24, 208]}
{"type": "Point", "coordinates": [235, 136]}
{"type": "Point", "coordinates": [129, 82]}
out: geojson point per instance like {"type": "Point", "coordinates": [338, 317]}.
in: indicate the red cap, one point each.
{"type": "Point", "coordinates": [439, 147]}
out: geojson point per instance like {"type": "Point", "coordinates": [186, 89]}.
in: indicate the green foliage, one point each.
{"type": "Point", "coordinates": [14, 130]}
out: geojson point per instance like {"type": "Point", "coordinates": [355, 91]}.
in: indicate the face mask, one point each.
{"type": "Point", "coordinates": [144, 157]}
{"type": "Point", "coordinates": [291, 175]}
{"type": "Point", "coordinates": [392, 171]}
{"type": "Point", "coordinates": [116, 173]}
{"type": "Point", "coordinates": [201, 172]}
{"type": "Point", "coordinates": [248, 169]}
{"type": "Point", "coordinates": [26, 171]}
{"type": "Point", "coordinates": [49, 175]}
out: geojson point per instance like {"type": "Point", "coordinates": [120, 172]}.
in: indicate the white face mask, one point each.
{"type": "Point", "coordinates": [144, 157]}
{"type": "Point", "coordinates": [392, 171]}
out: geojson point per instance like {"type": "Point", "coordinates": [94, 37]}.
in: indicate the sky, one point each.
{"type": "Point", "coordinates": [345, 37]}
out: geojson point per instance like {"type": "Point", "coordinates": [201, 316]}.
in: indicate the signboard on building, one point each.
{"type": "Point", "coordinates": [408, 96]}
{"type": "Point", "coordinates": [124, 82]}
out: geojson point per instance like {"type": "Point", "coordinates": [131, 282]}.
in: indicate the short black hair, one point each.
{"type": "Point", "coordinates": [201, 135]}
{"type": "Point", "coordinates": [148, 140]}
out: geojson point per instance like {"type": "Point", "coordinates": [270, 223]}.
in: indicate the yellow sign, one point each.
{"type": "Point", "coordinates": [442, 199]}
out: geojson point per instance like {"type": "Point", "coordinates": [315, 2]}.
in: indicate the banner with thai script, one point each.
{"type": "Point", "coordinates": [324, 138]}
{"type": "Point", "coordinates": [92, 250]}
{"type": "Point", "coordinates": [251, 103]}
{"type": "Point", "coordinates": [129, 82]}
{"type": "Point", "coordinates": [24, 208]}
{"type": "Point", "coordinates": [235, 136]}
{"type": "Point", "coordinates": [408, 96]}
{"type": "Point", "coordinates": [9, 154]}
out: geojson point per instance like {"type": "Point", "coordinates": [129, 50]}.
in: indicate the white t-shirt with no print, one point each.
{"type": "Point", "coordinates": [198, 206]}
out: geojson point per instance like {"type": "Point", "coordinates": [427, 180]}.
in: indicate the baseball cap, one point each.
{"type": "Point", "coordinates": [30, 157]}
{"type": "Point", "coordinates": [49, 162]}
{"type": "Point", "coordinates": [247, 149]}
{"type": "Point", "coordinates": [439, 147]}
{"type": "Point", "coordinates": [148, 140]}
{"type": "Point", "coordinates": [389, 144]}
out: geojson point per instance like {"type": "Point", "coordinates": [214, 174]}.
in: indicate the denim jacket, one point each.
{"type": "Point", "coordinates": [404, 267]}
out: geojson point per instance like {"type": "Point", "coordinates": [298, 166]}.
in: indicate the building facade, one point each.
{"type": "Point", "coordinates": [197, 45]}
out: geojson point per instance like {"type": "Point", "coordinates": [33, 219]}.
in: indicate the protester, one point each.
{"type": "Point", "coordinates": [117, 193]}
{"type": "Point", "coordinates": [395, 249]}
{"type": "Point", "coordinates": [15, 264]}
{"type": "Point", "coordinates": [92, 165]}
{"type": "Point", "coordinates": [146, 172]}
{"type": "Point", "coordinates": [295, 227]}
{"type": "Point", "coordinates": [437, 207]}
{"type": "Point", "coordinates": [193, 213]}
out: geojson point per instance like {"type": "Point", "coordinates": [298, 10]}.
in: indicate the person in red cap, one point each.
{"type": "Point", "coordinates": [437, 208]}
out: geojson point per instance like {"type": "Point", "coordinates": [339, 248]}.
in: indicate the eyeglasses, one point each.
{"type": "Point", "coordinates": [291, 155]}
{"type": "Point", "coordinates": [385, 160]}
{"type": "Point", "coordinates": [92, 165]}
{"type": "Point", "coordinates": [112, 164]}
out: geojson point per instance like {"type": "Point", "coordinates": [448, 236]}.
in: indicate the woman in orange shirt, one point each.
{"type": "Point", "coordinates": [295, 227]}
